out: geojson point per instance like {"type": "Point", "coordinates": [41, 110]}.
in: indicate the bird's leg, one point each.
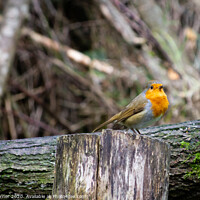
{"type": "Point", "coordinates": [138, 131]}
{"type": "Point", "coordinates": [134, 131]}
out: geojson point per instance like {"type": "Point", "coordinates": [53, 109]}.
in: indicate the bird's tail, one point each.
{"type": "Point", "coordinates": [112, 119]}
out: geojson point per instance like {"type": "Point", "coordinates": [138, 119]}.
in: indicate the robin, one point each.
{"type": "Point", "coordinates": [147, 108]}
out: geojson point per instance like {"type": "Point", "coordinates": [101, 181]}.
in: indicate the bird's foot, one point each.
{"type": "Point", "coordinates": [136, 131]}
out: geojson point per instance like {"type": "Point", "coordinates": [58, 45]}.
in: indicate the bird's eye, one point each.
{"type": "Point", "coordinates": [151, 87]}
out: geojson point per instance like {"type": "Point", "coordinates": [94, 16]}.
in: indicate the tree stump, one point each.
{"type": "Point", "coordinates": [111, 165]}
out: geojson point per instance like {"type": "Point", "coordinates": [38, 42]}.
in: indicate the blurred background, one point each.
{"type": "Point", "coordinates": [76, 63]}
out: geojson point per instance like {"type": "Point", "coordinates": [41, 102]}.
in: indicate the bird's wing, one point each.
{"type": "Point", "coordinates": [136, 106]}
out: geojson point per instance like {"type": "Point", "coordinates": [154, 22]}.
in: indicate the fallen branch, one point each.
{"type": "Point", "coordinates": [120, 23]}
{"type": "Point", "coordinates": [142, 29]}
{"type": "Point", "coordinates": [73, 54]}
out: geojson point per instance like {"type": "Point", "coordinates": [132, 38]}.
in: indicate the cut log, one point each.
{"type": "Point", "coordinates": [27, 165]}
{"type": "Point", "coordinates": [184, 140]}
{"type": "Point", "coordinates": [112, 165]}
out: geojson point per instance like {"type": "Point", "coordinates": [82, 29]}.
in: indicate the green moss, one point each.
{"type": "Point", "coordinates": [185, 145]}
{"type": "Point", "coordinates": [195, 163]}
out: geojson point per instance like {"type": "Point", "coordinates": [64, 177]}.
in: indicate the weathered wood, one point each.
{"type": "Point", "coordinates": [132, 167]}
{"type": "Point", "coordinates": [182, 162]}
{"type": "Point", "coordinates": [26, 166]}
{"type": "Point", "coordinates": [35, 154]}
{"type": "Point", "coordinates": [76, 166]}
{"type": "Point", "coordinates": [112, 165]}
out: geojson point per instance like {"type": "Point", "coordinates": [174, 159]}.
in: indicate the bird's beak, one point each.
{"type": "Point", "coordinates": [161, 87]}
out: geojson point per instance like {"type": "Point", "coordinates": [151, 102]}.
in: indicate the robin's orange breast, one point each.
{"type": "Point", "coordinates": [158, 100]}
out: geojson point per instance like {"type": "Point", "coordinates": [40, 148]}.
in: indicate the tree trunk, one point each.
{"type": "Point", "coordinates": [112, 165]}
{"type": "Point", "coordinates": [14, 14]}
{"type": "Point", "coordinates": [27, 165]}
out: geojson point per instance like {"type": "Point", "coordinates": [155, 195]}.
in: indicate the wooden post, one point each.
{"type": "Point", "coordinates": [111, 165]}
{"type": "Point", "coordinates": [76, 167]}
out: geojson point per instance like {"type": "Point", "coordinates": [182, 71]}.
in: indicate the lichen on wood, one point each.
{"type": "Point", "coordinates": [76, 165]}
{"type": "Point", "coordinates": [27, 165]}
{"type": "Point", "coordinates": [112, 165]}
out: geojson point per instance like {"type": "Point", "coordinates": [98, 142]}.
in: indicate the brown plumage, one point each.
{"type": "Point", "coordinates": [136, 106]}
{"type": "Point", "coordinates": [146, 108]}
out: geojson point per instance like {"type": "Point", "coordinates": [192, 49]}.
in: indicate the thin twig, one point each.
{"type": "Point", "coordinates": [10, 117]}
{"type": "Point", "coordinates": [34, 122]}
{"type": "Point", "coordinates": [84, 82]}
{"type": "Point", "coordinates": [35, 91]}
{"type": "Point", "coordinates": [63, 122]}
